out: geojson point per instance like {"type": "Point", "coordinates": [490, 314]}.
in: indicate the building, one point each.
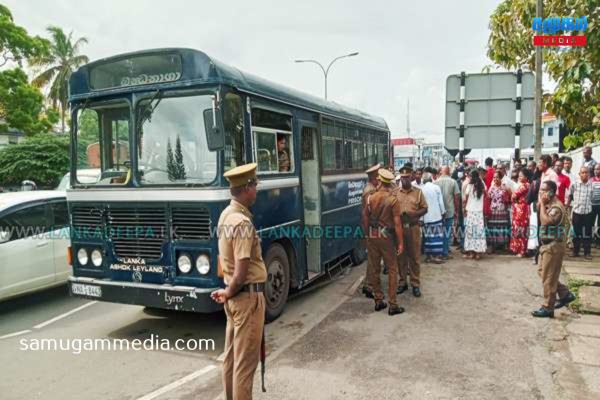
{"type": "Point", "coordinates": [419, 153]}
{"type": "Point", "coordinates": [10, 136]}
{"type": "Point", "coordinates": [550, 135]}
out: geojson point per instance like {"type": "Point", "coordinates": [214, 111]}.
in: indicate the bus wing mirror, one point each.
{"type": "Point", "coordinates": [214, 134]}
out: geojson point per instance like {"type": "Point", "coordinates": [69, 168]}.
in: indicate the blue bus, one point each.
{"type": "Point", "coordinates": [162, 126]}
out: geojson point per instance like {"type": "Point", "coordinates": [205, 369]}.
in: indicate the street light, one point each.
{"type": "Point", "coordinates": [326, 70]}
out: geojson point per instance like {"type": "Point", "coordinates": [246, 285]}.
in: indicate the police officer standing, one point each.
{"type": "Point", "coordinates": [372, 183]}
{"type": "Point", "coordinates": [381, 222]}
{"type": "Point", "coordinates": [245, 274]}
{"type": "Point", "coordinates": [553, 235]}
{"type": "Point", "coordinates": [413, 207]}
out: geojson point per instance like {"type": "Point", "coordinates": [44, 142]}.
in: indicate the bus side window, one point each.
{"type": "Point", "coordinates": [234, 131]}
{"type": "Point", "coordinates": [273, 139]}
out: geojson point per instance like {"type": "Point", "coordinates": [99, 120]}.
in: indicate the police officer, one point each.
{"type": "Point", "coordinates": [553, 235]}
{"type": "Point", "coordinates": [282, 154]}
{"type": "Point", "coordinates": [413, 207]}
{"type": "Point", "coordinates": [372, 183]}
{"type": "Point", "coordinates": [245, 274]}
{"type": "Point", "coordinates": [381, 221]}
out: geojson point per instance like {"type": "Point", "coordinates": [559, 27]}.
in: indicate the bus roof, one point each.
{"type": "Point", "coordinates": [199, 68]}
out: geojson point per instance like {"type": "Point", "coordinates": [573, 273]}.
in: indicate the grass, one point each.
{"type": "Point", "coordinates": [574, 285]}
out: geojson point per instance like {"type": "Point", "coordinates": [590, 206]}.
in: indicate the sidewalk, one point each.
{"type": "Point", "coordinates": [581, 367]}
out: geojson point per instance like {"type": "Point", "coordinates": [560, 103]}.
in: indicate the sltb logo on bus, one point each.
{"type": "Point", "coordinates": [553, 25]}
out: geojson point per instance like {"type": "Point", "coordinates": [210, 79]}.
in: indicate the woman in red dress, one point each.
{"type": "Point", "coordinates": [520, 216]}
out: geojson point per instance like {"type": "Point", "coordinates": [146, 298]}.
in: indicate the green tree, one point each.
{"type": "Point", "coordinates": [22, 105]}
{"type": "Point", "coordinates": [576, 98]}
{"type": "Point", "coordinates": [42, 158]}
{"type": "Point", "coordinates": [179, 165]}
{"type": "Point", "coordinates": [63, 59]}
{"type": "Point", "coordinates": [15, 44]}
{"type": "Point", "coordinates": [171, 167]}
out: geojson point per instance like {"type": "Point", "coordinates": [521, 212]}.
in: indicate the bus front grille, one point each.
{"type": "Point", "coordinates": [86, 221]}
{"type": "Point", "coordinates": [137, 232]}
{"type": "Point", "coordinates": [192, 223]}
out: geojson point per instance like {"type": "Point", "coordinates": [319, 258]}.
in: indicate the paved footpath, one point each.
{"type": "Point", "coordinates": [470, 336]}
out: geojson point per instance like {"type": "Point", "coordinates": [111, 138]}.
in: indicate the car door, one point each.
{"type": "Point", "coordinates": [59, 234]}
{"type": "Point", "coordinates": [27, 258]}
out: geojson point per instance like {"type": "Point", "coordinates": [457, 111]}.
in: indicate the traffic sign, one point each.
{"type": "Point", "coordinates": [492, 110]}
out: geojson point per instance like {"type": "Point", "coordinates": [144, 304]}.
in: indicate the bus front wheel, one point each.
{"type": "Point", "coordinates": [278, 281]}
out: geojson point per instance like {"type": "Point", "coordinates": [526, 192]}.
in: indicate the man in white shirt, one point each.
{"type": "Point", "coordinates": [433, 226]}
{"type": "Point", "coordinates": [567, 165]}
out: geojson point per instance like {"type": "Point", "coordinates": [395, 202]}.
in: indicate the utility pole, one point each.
{"type": "Point", "coordinates": [408, 118]}
{"type": "Point", "coordinates": [537, 118]}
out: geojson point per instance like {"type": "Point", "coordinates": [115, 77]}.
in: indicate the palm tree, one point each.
{"type": "Point", "coordinates": [63, 59]}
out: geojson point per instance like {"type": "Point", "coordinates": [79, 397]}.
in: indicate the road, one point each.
{"type": "Point", "coordinates": [470, 337]}
{"type": "Point", "coordinates": [130, 374]}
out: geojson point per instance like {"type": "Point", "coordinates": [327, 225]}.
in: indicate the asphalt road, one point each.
{"type": "Point", "coordinates": [130, 374]}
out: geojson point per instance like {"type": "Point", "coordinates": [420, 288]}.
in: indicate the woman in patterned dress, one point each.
{"type": "Point", "coordinates": [475, 244]}
{"type": "Point", "coordinates": [498, 227]}
{"type": "Point", "coordinates": [520, 215]}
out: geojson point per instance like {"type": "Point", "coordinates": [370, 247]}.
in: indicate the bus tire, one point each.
{"type": "Point", "coordinates": [278, 281]}
{"type": "Point", "coordinates": [359, 253]}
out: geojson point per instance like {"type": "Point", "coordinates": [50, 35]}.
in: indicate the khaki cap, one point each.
{"type": "Point", "coordinates": [385, 176]}
{"type": "Point", "coordinates": [242, 175]}
{"type": "Point", "coordinates": [374, 168]}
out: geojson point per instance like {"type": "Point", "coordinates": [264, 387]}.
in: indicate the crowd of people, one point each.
{"type": "Point", "coordinates": [536, 210]}
{"type": "Point", "coordinates": [482, 210]}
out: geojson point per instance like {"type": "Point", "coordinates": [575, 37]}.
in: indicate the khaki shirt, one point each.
{"type": "Point", "coordinates": [556, 229]}
{"type": "Point", "coordinates": [238, 240]}
{"type": "Point", "coordinates": [411, 199]}
{"type": "Point", "coordinates": [382, 207]}
{"type": "Point", "coordinates": [284, 161]}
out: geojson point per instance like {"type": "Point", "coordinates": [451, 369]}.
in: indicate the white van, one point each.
{"type": "Point", "coordinates": [34, 240]}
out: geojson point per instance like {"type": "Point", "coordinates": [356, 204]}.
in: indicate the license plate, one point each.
{"type": "Point", "coordinates": [86, 290]}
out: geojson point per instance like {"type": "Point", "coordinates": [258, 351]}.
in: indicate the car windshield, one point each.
{"type": "Point", "coordinates": [171, 141]}
{"type": "Point", "coordinates": [102, 138]}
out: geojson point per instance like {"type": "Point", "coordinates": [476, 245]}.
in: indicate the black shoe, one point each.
{"type": "Point", "coordinates": [543, 313]}
{"type": "Point", "coordinates": [395, 310]}
{"type": "Point", "coordinates": [416, 292]}
{"type": "Point", "coordinates": [566, 300]}
{"type": "Point", "coordinates": [368, 293]}
{"type": "Point", "coordinates": [401, 289]}
{"type": "Point", "coordinates": [380, 305]}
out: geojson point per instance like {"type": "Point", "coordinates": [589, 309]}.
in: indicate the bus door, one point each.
{"type": "Point", "coordinates": [311, 195]}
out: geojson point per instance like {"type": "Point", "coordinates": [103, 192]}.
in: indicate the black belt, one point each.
{"type": "Point", "coordinates": [253, 287]}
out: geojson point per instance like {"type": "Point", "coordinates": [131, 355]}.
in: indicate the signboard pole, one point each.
{"type": "Point", "coordinates": [461, 129]}
{"type": "Point", "coordinates": [518, 116]}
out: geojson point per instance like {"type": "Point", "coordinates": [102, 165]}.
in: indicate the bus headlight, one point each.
{"type": "Point", "coordinates": [203, 264]}
{"type": "Point", "coordinates": [96, 258]}
{"type": "Point", "coordinates": [184, 263]}
{"type": "Point", "coordinates": [82, 256]}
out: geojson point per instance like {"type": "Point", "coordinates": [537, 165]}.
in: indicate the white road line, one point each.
{"type": "Point", "coordinates": [177, 383]}
{"type": "Point", "coordinates": [15, 334]}
{"type": "Point", "coordinates": [61, 316]}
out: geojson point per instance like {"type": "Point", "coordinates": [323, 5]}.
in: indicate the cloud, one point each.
{"type": "Point", "coordinates": [407, 49]}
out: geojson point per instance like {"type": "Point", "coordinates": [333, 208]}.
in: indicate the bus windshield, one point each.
{"type": "Point", "coordinates": [171, 139]}
{"type": "Point", "coordinates": [102, 139]}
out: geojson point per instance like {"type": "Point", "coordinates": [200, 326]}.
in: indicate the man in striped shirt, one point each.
{"type": "Point", "coordinates": [580, 199]}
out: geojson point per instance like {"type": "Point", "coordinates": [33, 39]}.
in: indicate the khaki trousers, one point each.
{"type": "Point", "coordinates": [409, 260]}
{"type": "Point", "coordinates": [550, 265]}
{"type": "Point", "coordinates": [382, 248]}
{"type": "Point", "coordinates": [243, 335]}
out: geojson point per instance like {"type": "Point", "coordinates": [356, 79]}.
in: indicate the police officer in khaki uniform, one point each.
{"type": "Point", "coordinates": [245, 274]}
{"type": "Point", "coordinates": [413, 207]}
{"type": "Point", "coordinates": [372, 183]}
{"type": "Point", "coordinates": [381, 222]}
{"type": "Point", "coordinates": [553, 235]}
{"type": "Point", "coordinates": [282, 154]}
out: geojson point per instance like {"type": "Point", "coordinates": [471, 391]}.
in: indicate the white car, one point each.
{"type": "Point", "coordinates": [34, 240]}
{"type": "Point", "coordinates": [90, 175]}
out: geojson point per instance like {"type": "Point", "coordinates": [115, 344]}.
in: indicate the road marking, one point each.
{"type": "Point", "coordinates": [15, 334]}
{"type": "Point", "coordinates": [178, 383]}
{"type": "Point", "coordinates": [61, 316]}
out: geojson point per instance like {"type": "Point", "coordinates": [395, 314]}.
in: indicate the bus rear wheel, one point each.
{"type": "Point", "coordinates": [278, 281]}
{"type": "Point", "coordinates": [359, 253]}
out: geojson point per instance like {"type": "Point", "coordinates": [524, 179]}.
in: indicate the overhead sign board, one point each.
{"type": "Point", "coordinates": [492, 110]}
